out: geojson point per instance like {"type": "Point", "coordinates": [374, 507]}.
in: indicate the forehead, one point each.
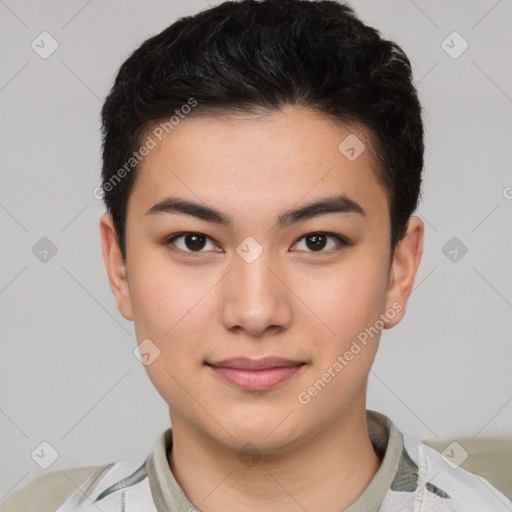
{"type": "Point", "coordinates": [259, 163]}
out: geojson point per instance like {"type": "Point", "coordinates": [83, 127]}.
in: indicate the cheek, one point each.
{"type": "Point", "coordinates": [170, 309]}
{"type": "Point", "coordinates": [346, 339]}
{"type": "Point", "coordinates": [164, 298]}
{"type": "Point", "coordinates": [176, 307]}
{"type": "Point", "coordinates": [344, 300]}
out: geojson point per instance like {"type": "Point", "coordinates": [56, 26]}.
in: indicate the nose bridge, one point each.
{"type": "Point", "coordinates": [255, 297]}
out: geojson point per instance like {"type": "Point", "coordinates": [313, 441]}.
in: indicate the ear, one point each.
{"type": "Point", "coordinates": [116, 267]}
{"type": "Point", "coordinates": [404, 266]}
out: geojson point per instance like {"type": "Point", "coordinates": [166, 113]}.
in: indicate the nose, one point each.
{"type": "Point", "coordinates": [256, 297]}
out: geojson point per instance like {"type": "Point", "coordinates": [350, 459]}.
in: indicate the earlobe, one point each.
{"type": "Point", "coordinates": [404, 266]}
{"type": "Point", "coordinates": [115, 266]}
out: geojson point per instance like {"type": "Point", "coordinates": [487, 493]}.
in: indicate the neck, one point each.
{"type": "Point", "coordinates": [328, 471]}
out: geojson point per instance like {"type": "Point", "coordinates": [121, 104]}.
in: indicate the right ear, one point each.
{"type": "Point", "coordinates": [115, 266]}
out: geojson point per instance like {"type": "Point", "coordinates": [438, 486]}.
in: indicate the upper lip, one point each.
{"type": "Point", "coordinates": [244, 363]}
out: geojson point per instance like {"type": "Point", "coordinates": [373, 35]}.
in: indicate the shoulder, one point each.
{"type": "Point", "coordinates": [443, 483]}
{"type": "Point", "coordinates": [489, 458]}
{"type": "Point", "coordinates": [47, 492]}
{"type": "Point", "coordinates": [81, 489]}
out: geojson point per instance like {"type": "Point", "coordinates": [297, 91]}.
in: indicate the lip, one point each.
{"type": "Point", "coordinates": [246, 363]}
{"type": "Point", "coordinates": [256, 374]}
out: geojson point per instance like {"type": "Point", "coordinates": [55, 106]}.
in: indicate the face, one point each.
{"type": "Point", "coordinates": [249, 281]}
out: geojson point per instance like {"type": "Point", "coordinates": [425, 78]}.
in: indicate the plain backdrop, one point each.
{"type": "Point", "coordinates": [68, 374]}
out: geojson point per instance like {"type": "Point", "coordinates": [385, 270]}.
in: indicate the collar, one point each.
{"type": "Point", "coordinates": [386, 439]}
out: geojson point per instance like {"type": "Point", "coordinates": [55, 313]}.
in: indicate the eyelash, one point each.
{"type": "Point", "coordinates": [341, 241]}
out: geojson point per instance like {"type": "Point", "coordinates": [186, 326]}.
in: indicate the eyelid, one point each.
{"type": "Point", "coordinates": [341, 240]}
{"type": "Point", "coordinates": [169, 240]}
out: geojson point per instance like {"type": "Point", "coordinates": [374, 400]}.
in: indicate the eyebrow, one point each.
{"type": "Point", "coordinates": [323, 206]}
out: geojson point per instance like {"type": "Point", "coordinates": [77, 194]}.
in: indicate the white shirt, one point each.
{"type": "Point", "coordinates": [411, 478]}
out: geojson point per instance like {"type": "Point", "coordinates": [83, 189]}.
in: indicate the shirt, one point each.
{"type": "Point", "coordinates": [412, 477]}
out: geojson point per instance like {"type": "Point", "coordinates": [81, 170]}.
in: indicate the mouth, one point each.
{"type": "Point", "coordinates": [256, 374]}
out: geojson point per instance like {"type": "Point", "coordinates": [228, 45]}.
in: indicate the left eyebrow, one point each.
{"type": "Point", "coordinates": [337, 204]}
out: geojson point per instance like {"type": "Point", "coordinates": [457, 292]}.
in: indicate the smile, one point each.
{"type": "Point", "coordinates": [256, 375]}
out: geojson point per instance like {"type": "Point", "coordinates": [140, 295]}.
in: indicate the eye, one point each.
{"type": "Point", "coordinates": [192, 242]}
{"type": "Point", "coordinates": [319, 240]}
{"type": "Point", "coordinates": [315, 242]}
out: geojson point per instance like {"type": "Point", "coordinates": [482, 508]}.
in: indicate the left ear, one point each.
{"type": "Point", "coordinates": [403, 270]}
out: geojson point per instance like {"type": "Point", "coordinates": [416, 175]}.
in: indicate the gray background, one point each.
{"type": "Point", "coordinates": [68, 375]}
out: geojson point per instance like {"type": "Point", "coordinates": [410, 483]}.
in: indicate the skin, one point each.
{"type": "Point", "coordinates": [293, 301]}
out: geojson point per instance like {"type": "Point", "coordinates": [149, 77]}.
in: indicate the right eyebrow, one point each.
{"type": "Point", "coordinates": [183, 206]}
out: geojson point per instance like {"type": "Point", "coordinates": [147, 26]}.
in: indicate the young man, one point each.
{"type": "Point", "coordinates": [262, 161]}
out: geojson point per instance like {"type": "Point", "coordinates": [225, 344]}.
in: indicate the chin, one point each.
{"type": "Point", "coordinates": [267, 434]}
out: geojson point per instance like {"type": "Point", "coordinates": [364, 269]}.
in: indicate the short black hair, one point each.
{"type": "Point", "coordinates": [250, 56]}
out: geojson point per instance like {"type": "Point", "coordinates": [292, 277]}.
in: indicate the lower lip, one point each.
{"type": "Point", "coordinates": [256, 380]}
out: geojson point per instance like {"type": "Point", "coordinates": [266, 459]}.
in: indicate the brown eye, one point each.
{"type": "Point", "coordinates": [190, 242]}
{"type": "Point", "coordinates": [194, 241]}
{"type": "Point", "coordinates": [317, 242]}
